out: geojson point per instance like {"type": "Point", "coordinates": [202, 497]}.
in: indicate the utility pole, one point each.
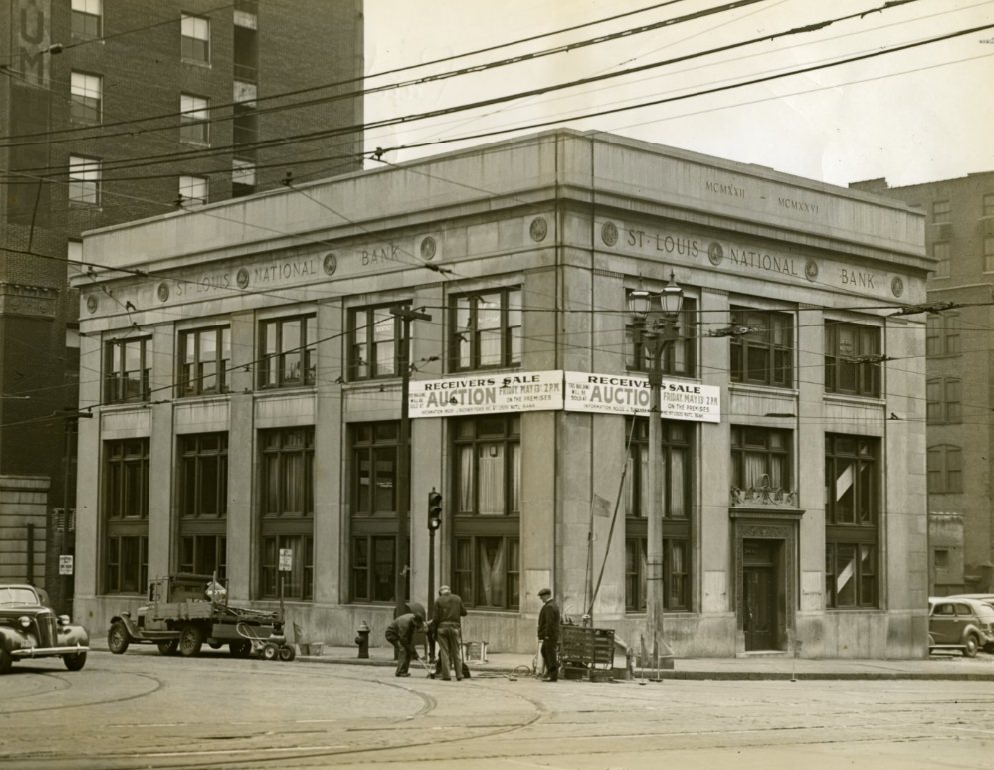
{"type": "Point", "coordinates": [403, 497]}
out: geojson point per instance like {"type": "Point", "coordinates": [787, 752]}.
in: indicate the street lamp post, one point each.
{"type": "Point", "coordinates": [656, 318]}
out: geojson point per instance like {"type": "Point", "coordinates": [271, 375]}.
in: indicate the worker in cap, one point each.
{"type": "Point", "coordinates": [548, 635]}
{"type": "Point", "coordinates": [447, 624]}
{"type": "Point", "coordinates": [400, 633]}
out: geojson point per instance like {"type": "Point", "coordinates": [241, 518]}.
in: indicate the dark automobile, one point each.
{"type": "Point", "coordinates": [960, 624]}
{"type": "Point", "coordinates": [31, 629]}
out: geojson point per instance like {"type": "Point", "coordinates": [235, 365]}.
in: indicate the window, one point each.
{"type": "Point", "coordinates": [940, 558]}
{"type": "Point", "coordinates": [203, 471]}
{"type": "Point", "coordinates": [195, 39]}
{"type": "Point", "coordinates": [127, 367]}
{"type": "Point", "coordinates": [286, 505]}
{"type": "Point", "coordinates": [942, 400]}
{"type": "Point", "coordinates": [852, 359]}
{"type": "Point", "coordinates": [85, 98]}
{"type": "Point", "coordinates": [193, 188]}
{"type": "Point", "coordinates": [374, 337]}
{"type": "Point", "coordinates": [940, 212]}
{"type": "Point", "coordinates": [486, 508]}
{"type": "Point", "coordinates": [204, 360]}
{"type": "Point", "coordinates": [989, 254]}
{"type": "Point", "coordinates": [84, 180]}
{"type": "Point", "coordinates": [945, 469]}
{"type": "Point", "coordinates": [988, 205]}
{"type": "Point", "coordinates": [486, 330]}
{"type": "Point", "coordinates": [287, 357]}
{"type": "Point", "coordinates": [852, 513]}
{"type": "Point", "coordinates": [678, 358]}
{"type": "Point", "coordinates": [764, 355]}
{"type": "Point", "coordinates": [242, 177]}
{"type": "Point", "coordinates": [760, 462]}
{"type": "Point", "coordinates": [675, 466]}
{"type": "Point", "coordinates": [87, 18]}
{"type": "Point", "coordinates": [940, 252]}
{"type": "Point", "coordinates": [942, 337]}
{"type": "Point", "coordinates": [125, 515]}
{"type": "Point", "coordinates": [373, 471]}
{"type": "Point", "coordinates": [193, 126]}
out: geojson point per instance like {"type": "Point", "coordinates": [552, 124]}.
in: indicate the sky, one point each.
{"type": "Point", "coordinates": [911, 116]}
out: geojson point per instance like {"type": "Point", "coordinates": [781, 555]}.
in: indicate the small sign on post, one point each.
{"type": "Point", "coordinates": [65, 564]}
{"type": "Point", "coordinates": [286, 559]}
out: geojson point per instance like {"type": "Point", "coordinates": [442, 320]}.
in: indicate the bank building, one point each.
{"type": "Point", "coordinates": [246, 364]}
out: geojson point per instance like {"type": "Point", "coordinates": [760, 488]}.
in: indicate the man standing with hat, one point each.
{"type": "Point", "coordinates": [548, 635]}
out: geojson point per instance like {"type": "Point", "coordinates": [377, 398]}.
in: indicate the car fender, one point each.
{"type": "Point", "coordinates": [12, 638]}
{"type": "Point", "coordinates": [125, 618]}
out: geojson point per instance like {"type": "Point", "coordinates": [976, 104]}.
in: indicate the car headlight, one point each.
{"type": "Point", "coordinates": [25, 622]}
{"type": "Point", "coordinates": [64, 620]}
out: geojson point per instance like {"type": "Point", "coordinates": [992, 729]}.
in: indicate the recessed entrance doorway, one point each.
{"type": "Point", "coordinates": [763, 594]}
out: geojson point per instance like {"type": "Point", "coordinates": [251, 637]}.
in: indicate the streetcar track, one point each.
{"type": "Point", "coordinates": [71, 683]}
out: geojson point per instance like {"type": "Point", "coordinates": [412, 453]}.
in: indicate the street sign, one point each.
{"type": "Point", "coordinates": [65, 565]}
{"type": "Point", "coordinates": [286, 559]}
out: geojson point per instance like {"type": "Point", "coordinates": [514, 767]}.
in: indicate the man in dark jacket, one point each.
{"type": "Point", "coordinates": [400, 633]}
{"type": "Point", "coordinates": [548, 635]}
{"type": "Point", "coordinates": [447, 622]}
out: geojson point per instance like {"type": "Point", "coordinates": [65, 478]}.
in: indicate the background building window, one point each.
{"type": "Point", "coordinates": [84, 180]}
{"type": "Point", "coordinates": [940, 251]}
{"type": "Point", "coordinates": [989, 254]}
{"type": "Point", "coordinates": [374, 460]}
{"type": "Point", "coordinates": [942, 401]}
{"type": "Point", "coordinates": [125, 515]}
{"type": "Point", "coordinates": [988, 205]}
{"type": "Point", "coordinates": [86, 96]}
{"type": "Point", "coordinates": [87, 18]}
{"type": "Point", "coordinates": [205, 357]}
{"type": "Point", "coordinates": [847, 346]}
{"type": "Point", "coordinates": [194, 114]}
{"type": "Point", "coordinates": [374, 335]}
{"type": "Point", "coordinates": [942, 334]}
{"type": "Point", "coordinates": [193, 189]}
{"type": "Point", "coordinates": [127, 368]}
{"type": "Point", "coordinates": [763, 356]}
{"type": "Point", "coordinates": [678, 358]}
{"type": "Point", "coordinates": [242, 177]}
{"type": "Point", "coordinates": [941, 211]}
{"type": "Point", "coordinates": [852, 519]}
{"type": "Point", "coordinates": [288, 354]}
{"type": "Point", "coordinates": [486, 507]}
{"type": "Point", "coordinates": [945, 469]}
{"type": "Point", "coordinates": [486, 330]}
{"type": "Point", "coordinates": [203, 472]}
{"type": "Point", "coordinates": [195, 39]}
{"type": "Point", "coordinates": [286, 505]}
{"type": "Point", "coordinates": [676, 468]}
{"type": "Point", "coordinates": [760, 460]}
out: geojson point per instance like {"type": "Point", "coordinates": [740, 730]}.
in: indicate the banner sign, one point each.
{"type": "Point", "coordinates": [518, 392]}
{"type": "Point", "coordinates": [631, 394]}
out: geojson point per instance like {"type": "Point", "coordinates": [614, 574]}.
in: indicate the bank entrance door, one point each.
{"type": "Point", "coordinates": [762, 587]}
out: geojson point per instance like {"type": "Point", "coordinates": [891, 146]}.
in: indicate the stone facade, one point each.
{"type": "Point", "coordinates": [794, 504]}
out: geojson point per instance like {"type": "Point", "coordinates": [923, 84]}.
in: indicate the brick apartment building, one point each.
{"type": "Point", "coordinates": [959, 234]}
{"type": "Point", "coordinates": [115, 110]}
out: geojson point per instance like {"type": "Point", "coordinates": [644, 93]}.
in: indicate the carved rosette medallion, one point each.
{"type": "Point", "coordinates": [609, 233]}
{"type": "Point", "coordinates": [330, 263]}
{"type": "Point", "coordinates": [538, 229]}
{"type": "Point", "coordinates": [242, 278]}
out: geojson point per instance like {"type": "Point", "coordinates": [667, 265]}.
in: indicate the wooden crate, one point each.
{"type": "Point", "coordinates": [582, 647]}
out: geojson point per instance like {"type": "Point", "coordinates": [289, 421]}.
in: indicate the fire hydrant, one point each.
{"type": "Point", "coordinates": [362, 639]}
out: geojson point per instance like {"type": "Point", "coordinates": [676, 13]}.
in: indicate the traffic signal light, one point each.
{"type": "Point", "coordinates": [434, 509]}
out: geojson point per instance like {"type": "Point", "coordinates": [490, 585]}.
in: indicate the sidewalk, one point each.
{"type": "Point", "coordinates": [951, 666]}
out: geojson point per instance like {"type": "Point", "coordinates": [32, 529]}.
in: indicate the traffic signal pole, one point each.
{"type": "Point", "coordinates": [402, 544]}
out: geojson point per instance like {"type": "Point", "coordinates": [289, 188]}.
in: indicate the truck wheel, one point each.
{"type": "Point", "coordinates": [970, 646]}
{"type": "Point", "coordinates": [6, 661]}
{"type": "Point", "coordinates": [118, 638]}
{"type": "Point", "coordinates": [287, 653]}
{"type": "Point", "coordinates": [240, 649]}
{"type": "Point", "coordinates": [270, 651]}
{"type": "Point", "coordinates": [75, 662]}
{"type": "Point", "coordinates": [190, 641]}
{"type": "Point", "coordinates": [168, 647]}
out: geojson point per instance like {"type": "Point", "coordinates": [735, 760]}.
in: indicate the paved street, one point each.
{"type": "Point", "coordinates": [142, 710]}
